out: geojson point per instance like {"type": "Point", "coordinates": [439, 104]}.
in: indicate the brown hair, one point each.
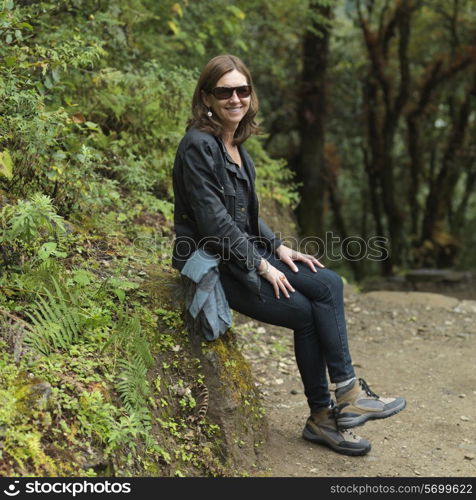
{"type": "Point", "coordinates": [211, 73]}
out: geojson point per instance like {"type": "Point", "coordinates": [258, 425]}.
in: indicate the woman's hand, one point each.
{"type": "Point", "coordinates": [277, 279]}
{"type": "Point", "coordinates": [288, 255]}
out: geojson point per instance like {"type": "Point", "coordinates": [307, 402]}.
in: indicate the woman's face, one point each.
{"type": "Point", "coordinates": [229, 111]}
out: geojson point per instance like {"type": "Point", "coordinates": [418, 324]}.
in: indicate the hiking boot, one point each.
{"type": "Point", "coordinates": [357, 404]}
{"type": "Point", "coordinates": [321, 427]}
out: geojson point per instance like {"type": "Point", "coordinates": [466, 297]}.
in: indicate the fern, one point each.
{"type": "Point", "coordinates": [125, 328]}
{"type": "Point", "coordinates": [132, 385]}
{"type": "Point", "coordinates": [24, 446]}
{"type": "Point", "coordinates": [56, 320]}
{"type": "Point", "coordinates": [141, 348]}
{"type": "Point", "coordinates": [128, 428]}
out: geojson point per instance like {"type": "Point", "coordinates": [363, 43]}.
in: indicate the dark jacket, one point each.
{"type": "Point", "coordinates": [204, 180]}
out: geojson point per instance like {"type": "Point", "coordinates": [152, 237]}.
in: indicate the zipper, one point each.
{"type": "Point", "coordinates": [257, 214]}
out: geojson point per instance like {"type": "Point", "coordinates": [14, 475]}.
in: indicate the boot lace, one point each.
{"type": "Point", "coordinates": [367, 389]}
{"type": "Point", "coordinates": [335, 410]}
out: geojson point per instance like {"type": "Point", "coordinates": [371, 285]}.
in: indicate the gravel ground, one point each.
{"type": "Point", "coordinates": [421, 346]}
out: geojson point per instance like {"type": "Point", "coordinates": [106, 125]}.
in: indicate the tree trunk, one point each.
{"type": "Point", "coordinates": [384, 101]}
{"type": "Point", "coordinates": [310, 164]}
{"type": "Point", "coordinates": [439, 202]}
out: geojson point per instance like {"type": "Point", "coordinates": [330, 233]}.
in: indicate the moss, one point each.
{"type": "Point", "coordinates": [238, 383]}
{"type": "Point", "coordinates": [233, 368]}
{"type": "Point", "coordinates": [26, 425]}
{"type": "Point", "coordinates": [162, 286]}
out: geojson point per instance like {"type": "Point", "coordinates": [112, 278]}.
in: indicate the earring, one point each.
{"type": "Point", "coordinates": [209, 112]}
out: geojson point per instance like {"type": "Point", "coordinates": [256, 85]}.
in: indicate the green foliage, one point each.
{"type": "Point", "coordinates": [33, 229]}
{"type": "Point", "coordinates": [57, 321]}
{"type": "Point", "coordinates": [202, 26]}
{"type": "Point", "coordinates": [31, 220]}
{"type": "Point", "coordinates": [6, 167]}
{"type": "Point", "coordinates": [96, 416]}
{"type": "Point", "coordinates": [21, 436]}
{"type": "Point", "coordinates": [125, 327]}
{"type": "Point", "coordinates": [274, 179]}
{"type": "Point", "coordinates": [94, 98]}
{"type": "Point", "coordinates": [45, 155]}
{"type": "Point", "coordinates": [141, 115]}
{"type": "Point", "coordinates": [171, 318]}
{"type": "Point", "coordinates": [130, 429]}
{"type": "Point", "coordinates": [132, 383]}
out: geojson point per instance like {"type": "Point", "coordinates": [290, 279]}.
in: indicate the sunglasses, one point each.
{"type": "Point", "coordinates": [227, 92]}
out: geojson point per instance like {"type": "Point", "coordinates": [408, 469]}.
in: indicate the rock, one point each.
{"type": "Point", "coordinates": [180, 390]}
{"type": "Point", "coordinates": [293, 391]}
{"type": "Point", "coordinates": [464, 419]}
{"type": "Point", "coordinates": [229, 385]}
{"type": "Point", "coordinates": [466, 306]}
{"type": "Point", "coordinates": [42, 391]}
{"type": "Point", "coordinates": [470, 456]}
{"type": "Point", "coordinates": [462, 396]}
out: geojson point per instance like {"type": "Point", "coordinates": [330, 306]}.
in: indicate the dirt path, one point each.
{"type": "Point", "coordinates": [421, 346]}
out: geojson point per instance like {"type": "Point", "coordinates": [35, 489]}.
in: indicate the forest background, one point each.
{"type": "Point", "coordinates": [369, 114]}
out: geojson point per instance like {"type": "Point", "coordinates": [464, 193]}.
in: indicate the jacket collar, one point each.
{"type": "Point", "coordinates": [244, 158]}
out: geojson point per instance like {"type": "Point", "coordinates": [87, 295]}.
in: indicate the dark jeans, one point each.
{"type": "Point", "coordinates": [315, 311]}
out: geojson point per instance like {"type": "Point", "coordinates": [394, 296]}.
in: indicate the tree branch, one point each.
{"type": "Point", "coordinates": [437, 73]}
{"type": "Point", "coordinates": [439, 198]}
{"type": "Point", "coordinates": [404, 31]}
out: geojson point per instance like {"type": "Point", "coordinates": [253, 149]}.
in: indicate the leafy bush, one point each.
{"type": "Point", "coordinates": [34, 228]}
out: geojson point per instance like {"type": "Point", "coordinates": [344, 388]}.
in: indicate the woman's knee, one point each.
{"type": "Point", "coordinates": [333, 283]}
{"type": "Point", "coordinates": [334, 279]}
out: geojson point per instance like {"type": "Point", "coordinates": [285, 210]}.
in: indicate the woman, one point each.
{"type": "Point", "coordinates": [216, 208]}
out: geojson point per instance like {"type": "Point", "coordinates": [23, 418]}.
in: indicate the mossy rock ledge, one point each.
{"type": "Point", "coordinates": [200, 413]}
{"type": "Point", "coordinates": [234, 402]}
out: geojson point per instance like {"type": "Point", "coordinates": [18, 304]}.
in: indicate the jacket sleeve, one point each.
{"type": "Point", "coordinates": [206, 196]}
